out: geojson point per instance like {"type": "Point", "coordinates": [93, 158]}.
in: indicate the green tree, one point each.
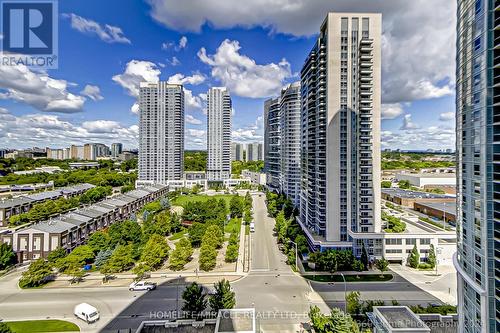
{"type": "Point", "coordinates": [236, 206]}
{"type": "Point", "coordinates": [123, 233]}
{"type": "Point", "coordinates": [232, 253]}
{"type": "Point", "coordinates": [382, 265]}
{"type": "Point", "coordinates": [364, 256]}
{"type": "Point", "coordinates": [194, 300]}
{"type": "Point", "coordinates": [214, 236]}
{"type": "Point", "coordinates": [224, 297]}
{"type": "Point", "coordinates": [155, 251]}
{"type": "Point", "coordinates": [208, 257]}
{"type": "Point", "coordinates": [102, 257]}
{"type": "Point", "coordinates": [404, 184]}
{"type": "Point", "coordinates": [7, 256]}
{"type": "Point", "coordinates": [248, 201]}
{"type": "Point", "coordinates": [414, 257]}
{"type": "Point", "coordinates": [431, 257]}
{"type": "Point", "coordinates": [353, 304]}
{"type": "Point", "coordinates": [386, 184]}
{"type": "Point", "coordinates": [181, 255]}
{"type": "Point", "coordinates": [358, 266]}
{"type": "Point", "coordinates": [141, 270]}
{"type": "Point", "coordinates": [342, 322]}
{"type": "Point", "coordinates": [36, 275]}
{"type": "Point", "coordinates": [196, 232]}
{"type": "Point", "coordinates": [57, 254]}
{"type": "Point", "coordinates": [99, 241]}
{"type": "Point", "coordinates": [80, 256]}
{"type": "Point", "coordinates": [121, 260]}
{"type": "Point", "coordinates": [4, 328]}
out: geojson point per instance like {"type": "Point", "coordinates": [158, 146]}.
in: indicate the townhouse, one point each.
{"type": "Point", "coordinates": [74, 228]}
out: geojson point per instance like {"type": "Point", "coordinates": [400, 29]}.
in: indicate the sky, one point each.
{"type": "Point", "coordinates": [254, 47]}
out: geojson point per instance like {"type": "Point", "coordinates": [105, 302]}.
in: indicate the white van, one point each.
{"type": "Point", "coordinates": [252, 227]}
{"type": "Point", "coordinates": [86, 312]}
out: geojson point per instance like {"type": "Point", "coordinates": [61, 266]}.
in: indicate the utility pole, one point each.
{"type": "Point", "coordinates": [345, 293]}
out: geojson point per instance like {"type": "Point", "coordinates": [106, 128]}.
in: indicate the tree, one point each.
{"type": "Point", "coordinates": [98, 241]}
{"type": "Point", "coordinates": [140, 270]}
{"type": "Point", "coordinates": [386, 184]}
{"type": "Point", "coordinates": [224, 297]}
{"type": "Point", "coordinates": [248, 201]}
{"type": "Point", "coordinates": [7, 256]}
{"type": "Point", "coordinates": [181, 255]}
{"type": "Point", "coordinates": [382, 265]}
{"type": "Point", "coordinates": [358, 266]}
{"type": "Point", "coordinates": [213, 235]}
{"type": "Point", "coordinates": [404, 184]}
{"type": "Point", "coordinates": [155, 252]}
{"type": "Point", "coordinates": [364, 256]}
{"type": "Point", "coordinates": [123, 233]}
{"type": "Point", "coordinates": [208, 257]}
{"type": "Point", "coordinates": [353, 305]}
{"type": "Point", "coordinates": [4, 328]}
{"type": "Point", "coordinates": [36, 275]}
{"type": "Point", "coordinates": [236, 206]}
{"type": "Point", "coordinates": [431, 257]}
{"type": "Point", "coordinates": [196, 232]}
{"type": "Point", "coordinates": [80, 256]}
{"type": "Point", "coordinates": [337, 321]}
{"type": "Point", "coordinates": [194, 300]}
{"type": "Point", "coordinates": [232, 252]}
{"type": "Point", "coordinates": [102, 257]}
{"type": "Point", "coordinates": [121, 260]}
{"type": "Point", "coordinates": [414, 257]}
{"type": "Point", "coordinates": [57, 254]}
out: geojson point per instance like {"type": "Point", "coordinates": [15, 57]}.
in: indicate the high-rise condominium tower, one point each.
{"type": "Point", "coordinates": [218, 134]}
{"type": "Point", "coordinates": [116, 149]}
{"type": "Point", "coordinates": [478, 166]}
{"type": "Point", "coordinates": [340, 122]}
{"type": "Point", "coordinates": [161, 132]}
{"type": "Point", "coordinates": [272, 161]}
{"type": "Point", "coordinates": [289, 118]}
{"type": "Point", "coordinates": [254, 151]}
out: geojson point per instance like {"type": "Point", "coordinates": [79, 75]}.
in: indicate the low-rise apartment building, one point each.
{"type": "Point", "coordinates": [74, 228]}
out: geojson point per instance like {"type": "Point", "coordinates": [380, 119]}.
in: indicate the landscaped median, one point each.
{"type": "Point", "coordinates": [35, 326]}
{"type": "Point", "coordinates": [349, 278]}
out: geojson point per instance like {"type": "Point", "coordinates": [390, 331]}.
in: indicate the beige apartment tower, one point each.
{"type": "Point", "coordinates": [340, 122]}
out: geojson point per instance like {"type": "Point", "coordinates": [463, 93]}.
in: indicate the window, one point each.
{"type": "Point", "coordinates": [425, 241]}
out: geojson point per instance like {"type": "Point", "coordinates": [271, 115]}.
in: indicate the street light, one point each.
{"type": "Point", "coordinates": [296, 256]}
{"type": "Point", "coordinates": [345, 293]}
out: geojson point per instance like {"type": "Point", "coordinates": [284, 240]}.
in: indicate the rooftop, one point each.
{"type": "Point", "coordinates": [430, 175]}
{"type": "Point", "coordinates": [398, 192]}
{"type": "Point", "coordinates": [398, 317]}
{"type": "Point", "coordinates": [447, 207]}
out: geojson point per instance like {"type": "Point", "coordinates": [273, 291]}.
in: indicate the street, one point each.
{"type": "Point", "coordinates": [281, 297]}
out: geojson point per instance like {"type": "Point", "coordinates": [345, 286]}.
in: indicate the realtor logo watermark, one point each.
{"type": "Point", "coordinates": [30, 34]}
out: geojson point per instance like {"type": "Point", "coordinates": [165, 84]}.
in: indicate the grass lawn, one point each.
{"type": "Point", "coordinates": [350, 278]}
{"type": "Point", "coordinates": [33, 326]}
{"type": "Point", "coordinates": [178, 235]}
{"type": "Point", "coordinates": [233, 225]}
{"type": "Point", "coordinates": [181, 200]}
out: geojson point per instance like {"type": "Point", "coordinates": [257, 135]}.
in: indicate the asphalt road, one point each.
{"type": "Point", "coordinates": [281, 298]}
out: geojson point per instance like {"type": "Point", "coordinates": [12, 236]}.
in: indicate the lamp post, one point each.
{"type": "Point", "coordinates": [296, 256]}
{"type": "Point", "coordinates": [345, 293]}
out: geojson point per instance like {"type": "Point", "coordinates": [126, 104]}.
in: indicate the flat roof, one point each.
{"type": "Point", "coordinates": [400, 317]}
{"type": "Point", "coordinates": [447, 207]}
{"type": "Point", "coordinates": [53, 226]}
{"type": "Point", "coordinates": [398, 192]}
{"type": "Point", "coordinates": [430, 175]}
{"type": "Point", "coordinates": [9, 203]}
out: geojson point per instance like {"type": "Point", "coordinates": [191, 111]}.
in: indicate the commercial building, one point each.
{"type": "Point", "coordinates": [256, 178]}
{"type": "Point", "coordinates": [218, 134]}
{"type": "Point", "coordinates": [74, 228]}
{"type": "Point", "coordinates": [255, 151]}
{"type": "Point", "coordinates": [237, 151]}
{"type": "Point", "coordinates": [425, 180]}
{"type": "Point", "coordinates": [22, 204]}
{"type": "Point", "coordinates": [340, 144]}
{"type": "Point", "coordinates": [92, 151]}
{"type": "Point", "coordinates": [478, 169]}
{"type": "Point", "coordinates": [272, 162]}
{"type": "Point", "coordinates": [443, 210]}
{"type": "Point", "coordinates": [408, 198]}
{"type": "Point", "coordinates": [116, 149]}
{"type": "Point", "coordinates": [161, 133]}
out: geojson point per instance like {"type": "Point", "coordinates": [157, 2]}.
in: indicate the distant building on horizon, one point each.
{"type": "Point", "coordinates": [218, 134]}
{"type": "Point", "coordinates": [254, 151]}
{"type": "Point", "coordinates": [161, 132]}
{"type": "Point", "coordinates": [237, 151]}
{"type": "Point", "coordinates": [116, 149]}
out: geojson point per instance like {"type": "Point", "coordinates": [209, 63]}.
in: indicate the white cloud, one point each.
{"type": "Point", "coordinates": [434, 137]}
{"type": "Point", "coordinates": [250, 133]}
{"type": "Point", "coordinates": [50, 130]}
{"type": "Point", "coordinates": [38, 89]}
{"type": "Point", "coordinates": [135, 108]}
{"type": "Point", "coordinates": [106, 32]}
{"type": "Point", "coordinates": [242, 75]}
{"type": "Point", "coordinates": [192, 102]}
{"type": "Point", "coordinates": [166, 45]}
{"type": "Point", "coordinates": [418, 45]}
{"type": "Point", "coordinates": [92, 92]}
{"type": "Point", "coordinates": [179, 78]}
{"type": "Point", "coordinates": [183, 42]}
{"type": "Point", "coordinates": [408, 124]}
{"type": "Point", "coordinates": [447, 116]}
{"type": "Point", "coordinates": [195, 132]}
{"type": "Point", "coordinates": [391, 111]}
{"type": "Point", "coordinates": [192, 120]}
{"type": "Point", "coordinates": [174, 61]}
{"type": "Point", "coordinates": [137, 71]}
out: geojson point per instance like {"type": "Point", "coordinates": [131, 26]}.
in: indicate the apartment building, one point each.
{"type": "Point", "coordinates": [218, 134]}
{"type": "Point", "coordinates": [254, 151]}
{"type": "Point", "coordinates": [272, 161]}
{"type": "Point", "coordinates": [237, 151]}
{"type": "Point", "coordinates": [116, 149]}
{"type": "Point", "coordinates": [340, 122]}
{"type": "Point", "coordinates": [478, 170]}
{"type": "Point", "coordinates": [161, 133]}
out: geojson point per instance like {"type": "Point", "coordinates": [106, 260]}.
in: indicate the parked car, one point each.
{"type": "Point", "coordinates": [86, 312]}
{"type": "Point", "coordinates": [252, 227]}
{"type": "Point", "coordinates": [142, 285]}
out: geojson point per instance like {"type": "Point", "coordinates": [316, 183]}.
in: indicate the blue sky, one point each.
{"type": "Point", "coordinates": [254, 48]}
